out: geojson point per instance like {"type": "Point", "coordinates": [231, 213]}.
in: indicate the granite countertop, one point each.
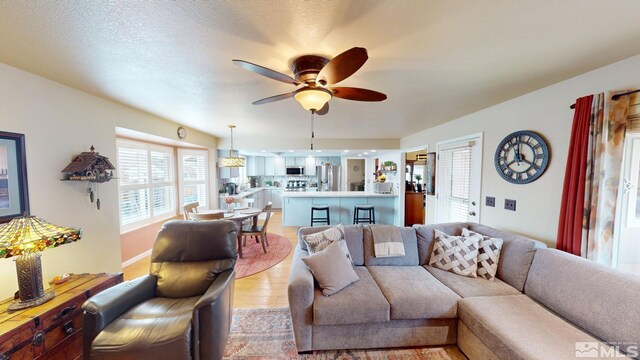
{"type": "Point", "coordinates": [306, 194]}
{"type": "Point", "coordinates": [252, 191]}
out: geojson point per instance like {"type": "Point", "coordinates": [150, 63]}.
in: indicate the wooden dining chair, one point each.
{"type": "Point", "coordinates": [259, 232]}
{"type": "Point", "coordinates": [206, 216]}
{"type": "Point", "coordinates": [191, 208]}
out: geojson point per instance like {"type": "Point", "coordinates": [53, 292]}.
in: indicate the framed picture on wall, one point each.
{"type": "Point", "coordinates": [430, 178]}
{"type": "Point", "coordinates": [14, 194]}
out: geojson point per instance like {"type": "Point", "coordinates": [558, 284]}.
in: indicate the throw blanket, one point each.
{"type": "Point", "coordinates": [387, 241]}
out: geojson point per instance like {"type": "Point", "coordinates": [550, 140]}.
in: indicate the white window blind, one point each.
{"type": "Point", "coordinates": [194, 176]}
{"type": "Point", "coordinates": [454, 174]}
{"type": "Point", "coordinates": [147, 183]}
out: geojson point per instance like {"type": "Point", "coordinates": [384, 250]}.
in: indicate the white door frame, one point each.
{"type": "Point", "coordinates": [623, 212]}
{"type": "Point", "coordinates": [477, 168]}
{"type": "Point", "coordinates": [345, 180]}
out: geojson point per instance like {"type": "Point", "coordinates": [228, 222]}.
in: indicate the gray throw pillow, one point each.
{"type": "Point", "coordinates": [456, 254]}
{"type": "Point", "coordinates": [331, 269]}
{"type": "Point", "coordinates": [319, 241]}
{"type": "Point", "coordinates": [488, 254]}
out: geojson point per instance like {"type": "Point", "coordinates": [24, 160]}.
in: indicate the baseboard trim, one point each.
{"type": "Point", "coordinates": [136, 258]}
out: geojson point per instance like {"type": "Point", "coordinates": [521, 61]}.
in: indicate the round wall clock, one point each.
{"type": "Point", "coordinates": [522, 157]}
{"type": "Point", "coordinates": [182, 133]}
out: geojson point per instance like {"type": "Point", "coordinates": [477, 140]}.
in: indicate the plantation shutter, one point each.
{"type": "Point", "coordinates": [163, 185]}
{"type": "Point", "coordinates": [193, 177]}
{"type": "Point", "coordinates": [454, 182]}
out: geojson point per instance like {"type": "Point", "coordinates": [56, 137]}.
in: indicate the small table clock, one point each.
{"type": "Point", "coordinates": [522, 157]}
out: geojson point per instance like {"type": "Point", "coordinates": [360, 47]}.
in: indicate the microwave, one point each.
{"type": "Point", "coordinates": [295, 170]}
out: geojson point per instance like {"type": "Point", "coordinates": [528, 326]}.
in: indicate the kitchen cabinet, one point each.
{"type": "Point", "coordinates": [259, 165]}
{"type": "Point", "coordinates": [290, 161]}
{"type": "Point", "coordinates": [276, 198]}
{"type": "Point", "coordinates": [320, 160]}
{"type": "Point", "coordinates": [270, 166]}
{"type": "Point", "coordinates": [280, 167]}
{"type": "Point", "coordinates": [300, 161]}
{"type": "Point", "coordinates": [334, 160]}
{"type": "Point", "coordinates": [310, 166]}
{"type": "Point", "coordinates": [251, 165]}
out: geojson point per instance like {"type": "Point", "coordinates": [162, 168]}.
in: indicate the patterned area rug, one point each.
{"type": "Point", "coordinates": [255, 260]}
{"type": "Point", "coordinates": [258, 334]}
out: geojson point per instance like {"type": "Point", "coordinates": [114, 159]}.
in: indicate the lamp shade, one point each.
{"type": "Point", "coordinates": [29, 234]}
{"type": "Point", "coordinates": [312, 99]}
{"type": "Point", "coordinates": [232, 161]}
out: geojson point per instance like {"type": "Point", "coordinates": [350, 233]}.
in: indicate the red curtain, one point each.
{"type": "Point", "coordinates": [572, 208]}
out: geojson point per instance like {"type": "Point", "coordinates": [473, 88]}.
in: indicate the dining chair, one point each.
{"type": "Point", "coordinates": [206, 216]}
{"type": "Point", "coordinates": [259, 231]}
{"type": "Point", "coordinates": [248, 202]}
{"type": "Point", "coordinates": [191, 208]}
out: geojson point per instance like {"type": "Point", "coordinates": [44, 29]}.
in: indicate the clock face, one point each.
{"type": "Point", "coordinates": [182, 132]}
{"type": "Point", "coordinates": [522, 157]}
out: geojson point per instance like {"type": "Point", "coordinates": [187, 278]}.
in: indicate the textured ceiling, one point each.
{"type": "Point", "coordinates": [436, 60]}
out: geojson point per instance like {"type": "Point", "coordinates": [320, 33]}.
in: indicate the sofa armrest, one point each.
{"type": "Point", "coordinates": [212, 317]}
{"type": "Point", "coordinates": [300, 294]}
{"type": "Point", "coordinates": [101, 309]}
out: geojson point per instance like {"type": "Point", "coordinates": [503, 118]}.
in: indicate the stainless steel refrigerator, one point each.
{"type": "Point", "coordinates": [328, 177]}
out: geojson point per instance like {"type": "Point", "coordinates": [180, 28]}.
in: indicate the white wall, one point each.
{"type": "Point", "coordinates": [547, 112]}
{"type": "Point", "coordinates": [59, 122]}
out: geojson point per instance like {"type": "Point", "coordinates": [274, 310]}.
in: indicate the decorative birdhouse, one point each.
{"type": "Point", "coordinates": [89, 166]}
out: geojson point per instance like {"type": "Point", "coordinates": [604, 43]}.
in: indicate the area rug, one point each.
{"type": "Point", "coordinates": [258, 334]}
{"type": "Point", "coordinates": [255, 260]}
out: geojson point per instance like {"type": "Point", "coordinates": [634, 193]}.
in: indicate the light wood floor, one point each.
{"type": "Point", "coordinates": [267, 288]}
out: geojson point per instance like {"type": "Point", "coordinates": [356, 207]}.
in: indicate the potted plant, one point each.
{"type": "Point", "coordinates": [418, 177]}
{"type": "Point", "coordinates": [390, 166]}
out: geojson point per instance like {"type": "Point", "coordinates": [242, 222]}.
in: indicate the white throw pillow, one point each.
{"type": "Point", "coordinates": [319, 241]}
{"type": "Point", "coordinates": [456, 254]}
{"type": "Point", "coordinates": [488, 254]}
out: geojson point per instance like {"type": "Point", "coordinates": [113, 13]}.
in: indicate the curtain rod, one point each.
{"type": "Point", "coordinates": [614, 97]}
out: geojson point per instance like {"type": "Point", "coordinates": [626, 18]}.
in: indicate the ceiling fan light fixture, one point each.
{"type": "Point", "coordinates": [312, 98]}
{"type": "Point", "coordinates": [231, 161]}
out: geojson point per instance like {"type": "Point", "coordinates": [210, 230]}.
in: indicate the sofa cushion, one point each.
{"type": "Point", "coordinates": [601, 300]}
{"type": "Point", "coordinates": [158, 328]}
{"type": "Point", "coordinates": [319, 241]}
{"type": "Point", "coordinates": [468, 287]}
{"type": "Point", "coordinates": [457, 254]}
{"type": "Point", "coordinates": [360, 303]}
{"type": "Point", "coordinates": [331, 269]}
{"type": "Point", "coordinates": [414, 293]}
{"type": "Point", "coordinates": [516, 327]}
{"type": "Point", "coordinates": [426, 235]}
{"type": "Point", "coordinates": [409, 240]}
{"type": "Point", "coordinates": [488, 254]}
{"type": "Point", "coordinates": [516, 254]}
{"type": "Point", "coordinates": [352, 235]}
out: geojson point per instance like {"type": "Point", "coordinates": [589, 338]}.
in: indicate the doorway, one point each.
{"type": "Point", "coordinates": [458, 173]}
{"type": "Point", "coordinates": [414, 195]}
{"type": "Point", "coordinates": [355, 174]}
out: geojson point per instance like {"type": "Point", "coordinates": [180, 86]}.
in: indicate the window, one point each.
{"type": "Point", "coordinates": [193, 165]}
{"type": "Point", "coordinates": [147, 183]}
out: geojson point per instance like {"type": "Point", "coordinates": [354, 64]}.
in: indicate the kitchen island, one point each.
{"type": "Point", "coordinates": [296, 206]}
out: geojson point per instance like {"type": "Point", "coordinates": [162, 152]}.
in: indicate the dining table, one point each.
{"type": "Point", "coordinates": [238, 216]}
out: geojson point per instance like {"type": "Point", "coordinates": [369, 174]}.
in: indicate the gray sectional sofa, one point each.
{"type": "Point", "coordinates": [544, 304]}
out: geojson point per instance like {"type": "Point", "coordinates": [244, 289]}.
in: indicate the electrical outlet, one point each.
{"type": "Point", "coordinates": [490, 201]}
{"type": "Point", "coordinates": [510, 204]}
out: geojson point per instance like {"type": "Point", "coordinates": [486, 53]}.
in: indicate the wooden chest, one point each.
{"type": "Point", "coordinates": [52, 330]}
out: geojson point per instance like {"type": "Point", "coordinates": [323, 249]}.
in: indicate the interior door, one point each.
{"type": "Point", "coordinates": [458, 172]}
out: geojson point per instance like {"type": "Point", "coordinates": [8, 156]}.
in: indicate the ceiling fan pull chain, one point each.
{"type": "Point", "coordinates": [313, 135]}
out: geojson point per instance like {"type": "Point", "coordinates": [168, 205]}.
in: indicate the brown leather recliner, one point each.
{"type": "Point", "coordinates": [181, 310]}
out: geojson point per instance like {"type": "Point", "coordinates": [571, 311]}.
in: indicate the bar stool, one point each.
{"type": "Point", "coordinates": [370, 217]}
{"type": "Point", "coordinates": [319, 208]}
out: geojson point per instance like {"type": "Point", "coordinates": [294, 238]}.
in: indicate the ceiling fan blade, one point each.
{"type": "Point", "coordinates": [350, 93]}
{"type": "Point", "coordinates": [343, 66]}
{"type": "Point", "coordinates": [324, 110]}
{"type": "Point", "coordinates": [273, 98]}
{"type": "Point", "coordinates": [261, 70]}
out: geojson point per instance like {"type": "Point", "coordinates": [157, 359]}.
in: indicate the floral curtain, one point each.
{"type": "Point", "coordinates": [590, 194]}
{"type": "Point", "coordinates": [604, 163]}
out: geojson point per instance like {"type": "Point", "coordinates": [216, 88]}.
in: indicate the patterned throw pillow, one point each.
{"type": "Point", "coordinates": [488, 254]}
{"type": "Point", "coordinates": [456, 254]}
{"type": "Point", "coordinates": [320, 240]}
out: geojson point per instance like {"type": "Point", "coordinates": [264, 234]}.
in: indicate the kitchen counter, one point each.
{"type": "Point", "coordinates": [330, 194]}
{"type": "Point", "coordinates": [296, 206]}
{"type": "Point", "coordinates": [251, 191]}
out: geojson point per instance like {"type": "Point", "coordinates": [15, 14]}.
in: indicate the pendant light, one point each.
{"type": "Point", "coordinates": [232, 161]}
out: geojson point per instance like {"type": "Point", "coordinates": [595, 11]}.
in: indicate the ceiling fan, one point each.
{"type": "Point", "coordinates": [315, 75]}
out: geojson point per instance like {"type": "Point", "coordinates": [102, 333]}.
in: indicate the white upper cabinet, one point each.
{"type": "Point", "coordinates": [269, 166]}
{"type": "Point", "coordinates": [310, 166]}
{"type": "Point", "coordinates": [300, 161]}
{"type": "Point", "coordinates": [280, 167]}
